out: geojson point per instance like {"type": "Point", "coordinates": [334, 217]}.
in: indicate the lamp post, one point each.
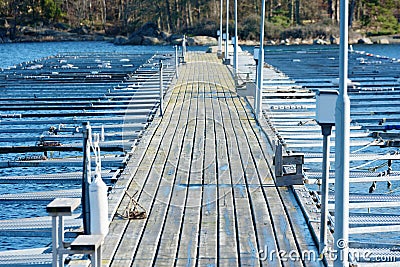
{"type": "Point", "coordinates": [219, 51]}
{"type": "Point", "coordinates": [260, 75]}
{"type": "Point", "coordinates": [227, 34]}
{"type": "Point", "coordinates": [325, 117]}
{"type": "Point", "coordinates": [161, 88]}
{"type": "Point", "coordinates": [235, 47]}
{"type": "Point", "coordinates": [342, 144]}
{"type": "Point", "coordinates": [176, 62]}
{"type": "Point", "coordinates": [220, 29]}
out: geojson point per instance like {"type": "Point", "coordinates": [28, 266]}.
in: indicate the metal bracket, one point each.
{"type": "Point", "coordinates": [288, 168]}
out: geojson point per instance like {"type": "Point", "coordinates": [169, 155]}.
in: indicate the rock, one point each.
{"type": "Point", "coordinates": [201, 40]}
{"type": "Point", "coordinates": [365, 40]}
{"type": "Point", "coordinates": [27, 30]}
{"type": "Point", "coordinates": [175, 39]}
{"type": "Point", "coordinates": [120, 40]}
{"type": "Point", "coordinates": [164, 35]}
{"type": "Point", "coordinates": [149, 29]}
{"type": "Point", "coordinates": [81, 30]}
{"type": "Point", "coordinates": [320, 42]}
{"type": "Point", "coordinates": [307, 42]}
{"type": "Point", "coordinates": [134, 40]}
{"type": "Point", "coordinates": [99, 38]}
{"type": "Point", "coordinates": [61, 26]}
{"type": "Point", "coordinates": [148, 40]}
{"type": "Point", "coordinates": [297, 41]}
{"type": "Point", "coordinates": [383, 41]}
{"type": "Point", "coordinates": [334, 40]}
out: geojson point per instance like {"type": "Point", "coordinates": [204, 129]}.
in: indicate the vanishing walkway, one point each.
{"type": "Point", "coordinates": [203, 174]}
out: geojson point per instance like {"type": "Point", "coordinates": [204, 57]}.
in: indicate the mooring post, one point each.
{"type": "Point", "coordinates": [227, 34]}
{"type": "Point", "coordinates": [260, 74]}
{"type": "Point", "coordinates": [220, 29]}
{"type": "Point", "coordinates": [235, 47]}
{"type": "Point", "coordinates": [86, 177]}
{"type": "Point", "coordinates": [184, 47]}
{"type": "Point", "coordinates": [176, 62]}
{"type": "Point", "coordinates": [161, 89]}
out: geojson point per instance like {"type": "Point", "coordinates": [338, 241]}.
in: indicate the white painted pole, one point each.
{"type": "Point", "coordinates": [176, 62]}
{"type": "Point", "coordinates": [260, 74]}
{"type": "Point", "coordinates": [184, 46]}
{"type": "Point", "coordinates": [227, 31]}
{"type": "Point", "coordinates": [54, 242]}
{"type": "Point", "coordinates": [342, 144]}
{"type": "Point", "coordinates": [161, 90]}
{"type": "Point", "coordinates": [220, 27]}
{"type": "Point", "coordinates": [235, 48]}
{"type": "Point", "coordinates": [326, 132]}
{"type": "Point", "coordinates": [60, 240]}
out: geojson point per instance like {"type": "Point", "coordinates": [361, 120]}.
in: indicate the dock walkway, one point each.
{"type": "Point", "coordinates": [202, 173]}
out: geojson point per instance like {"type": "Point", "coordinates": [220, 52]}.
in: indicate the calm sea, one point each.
{"type": "Point", "coordinates": [15, 53]}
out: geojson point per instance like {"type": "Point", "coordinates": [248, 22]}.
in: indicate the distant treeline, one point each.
{"type": "Point", "coordinates": [198, 17]}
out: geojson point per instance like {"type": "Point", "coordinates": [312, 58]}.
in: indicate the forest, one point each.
{"type": "Point", "coordinates": [199, 17]}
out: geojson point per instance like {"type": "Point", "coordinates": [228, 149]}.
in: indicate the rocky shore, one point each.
{"type": "Point", "coordinates": [149, 34]}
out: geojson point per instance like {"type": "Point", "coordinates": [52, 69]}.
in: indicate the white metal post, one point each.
{"type": "Point", "coordinates": [176, 62]}
{"type": "Point", "coordinates": [54, 242]}
{"type": "Point", "coordinates": [260, 75]}
{"type": "Point", "coordinates": [235, 48]}
{"type": "Point", "coordinates": [161, 90]}
{"type": "Point", "coordinates": [227, 31]}
{"type": "Point", "coordinates": [184, 46]}
{"type": "Point", "coordinates": [61, 239]}
{"type": "Point", "coordinates": [342, 144]}
{"type": "Point", "coordinates": [220, 27]}
{"type": "Point", "coordinates": [326, 132]}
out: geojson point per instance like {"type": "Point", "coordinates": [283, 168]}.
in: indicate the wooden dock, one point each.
{"type": "Point", "coordinates": [203, 174]}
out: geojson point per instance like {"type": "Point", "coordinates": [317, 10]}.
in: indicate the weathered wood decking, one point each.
{"type": "Point", "coordinates": [203, 176]}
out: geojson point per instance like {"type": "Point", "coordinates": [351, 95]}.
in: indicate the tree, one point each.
{"type": "Point", "coordinates": [49, 8]}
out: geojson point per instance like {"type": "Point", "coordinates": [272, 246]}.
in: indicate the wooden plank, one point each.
{"type": "Point", "coordinates": [286, 237]}
{"type": "Point", "coordinates": [228, 245]}
{"type": "Point", "coordinates": [239, 159]}
{"type": "Point", "coordinates": [169, 240]}
{"type": "Point", "coordinates": [188, 242]}
{"type": "Point", "coordinates": [137, 168]}
{"type": "Point", "coordinates": [131, 242]}
{"type": "Point", "coordinates": [263, 226]}
{"type": "Point", "coordinates": [209, 214]}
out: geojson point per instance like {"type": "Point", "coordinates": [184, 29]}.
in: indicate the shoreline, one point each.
{"type": "Point", "coordinates": [49, 35]}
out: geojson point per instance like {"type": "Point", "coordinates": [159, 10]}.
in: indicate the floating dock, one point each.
{"type": "Point", "coordinates": [204, 178]}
